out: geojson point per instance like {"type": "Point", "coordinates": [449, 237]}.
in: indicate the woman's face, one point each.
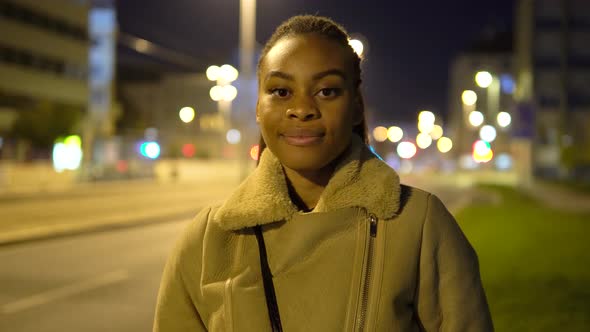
{"type": "Point", "coordinates": [307, 101]}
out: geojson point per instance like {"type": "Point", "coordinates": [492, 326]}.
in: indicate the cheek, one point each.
{"type": "Point", "coordinates": [344, 121]}
{"type": "Point", "coordinates": [267, 116]}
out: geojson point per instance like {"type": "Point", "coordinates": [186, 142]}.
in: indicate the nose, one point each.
{"type": "Point", "coordinates": [303, 110]}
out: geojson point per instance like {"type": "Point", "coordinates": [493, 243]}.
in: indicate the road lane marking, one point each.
{"type": "Point", "coordinates": [64, 292]}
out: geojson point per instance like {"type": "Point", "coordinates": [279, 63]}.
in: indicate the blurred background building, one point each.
{"type": "Point", "coordinates": [44, 69]}
{"type": "Point", "coordinates": [553, 90]}
{"type": "Point", "coordinates": [481, 97]}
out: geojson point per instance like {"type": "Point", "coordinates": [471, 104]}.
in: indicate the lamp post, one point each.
{"type": "Point", "coordinates": [223, 93]}
{"type": "Point", "coordinates": [248, 83]}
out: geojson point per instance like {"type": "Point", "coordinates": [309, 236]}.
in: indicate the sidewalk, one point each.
{"type": "Point", "coordinates": [559, 197]}
{"type": "Point", "coordinates": [31, 215]}
{"type": "Point", "coordinates": [553, 195]}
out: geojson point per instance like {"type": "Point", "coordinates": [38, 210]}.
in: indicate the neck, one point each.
{"type": "Point", "coordinates": [306, 187]}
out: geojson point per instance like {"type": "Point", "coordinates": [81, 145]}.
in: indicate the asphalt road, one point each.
{"type": "Point", "coordinates": [106, 281]}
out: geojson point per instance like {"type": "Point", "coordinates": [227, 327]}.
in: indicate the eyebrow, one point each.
{"type": "Point", "coordinates": [315, 77]}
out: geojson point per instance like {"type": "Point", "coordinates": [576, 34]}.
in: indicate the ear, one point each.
{"type": "Point", "coordinates": [257, 112]}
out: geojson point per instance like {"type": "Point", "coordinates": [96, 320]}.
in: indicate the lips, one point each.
{"type": "Point", "coordinates": [302, 136]}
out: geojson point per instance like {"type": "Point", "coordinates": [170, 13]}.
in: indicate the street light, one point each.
{"type": "Point", "coordinates": [380, 133]}
{"type": "Point", "coordinates": [406, 150]}
{"type": "Point", "coordinates": [483, 79]}
{"type": "Point", "coordinates": [395, 134]}
{"type": "Point", "coordinates": [357, 46]}
{"type": "Point", "coordinates": [444, 144]}
{"type": "Point", "coordinates": [504, 119]}
{"type": "Point", "coordinates": [223, 93]}
{"type": "Point", "coordinates": [469, 97]}
{"type": "Point", "coordinates": [423, 140]}
{"type": "Point", "coordinates": [426, 116]}
{"type": "Point", "coordinates": [476, 118]}
{"type": "Point", "coordinates": [437, 132]}
{"type": "Point", "coordinates": [186, 114]}
{"type": "Point", "coordinates": [487, 133]}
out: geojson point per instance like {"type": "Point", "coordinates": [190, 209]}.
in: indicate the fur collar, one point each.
{"type": "Point", "coordinates": [361, 179]}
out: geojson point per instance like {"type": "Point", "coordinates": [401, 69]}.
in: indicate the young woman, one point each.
{"type": "Point", "coordinates": [321, 236]}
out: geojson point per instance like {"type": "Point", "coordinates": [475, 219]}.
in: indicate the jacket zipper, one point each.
{"type": "Point", "coordinates": [368, 272]}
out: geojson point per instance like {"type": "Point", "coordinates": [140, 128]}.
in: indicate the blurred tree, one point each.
{"type": "Point", "coordinates": [45, 122]}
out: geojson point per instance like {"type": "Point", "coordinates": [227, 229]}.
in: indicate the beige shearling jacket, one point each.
{"type": "Point", "coordinates": [374, 255]}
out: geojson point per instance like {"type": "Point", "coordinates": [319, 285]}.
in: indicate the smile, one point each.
{"type": "Point", "coordinates": [302, 137]}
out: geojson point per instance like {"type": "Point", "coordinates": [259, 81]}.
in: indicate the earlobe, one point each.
{"type": "Point", "coordinates": [257, 113]}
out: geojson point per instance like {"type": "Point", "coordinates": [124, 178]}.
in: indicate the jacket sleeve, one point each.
{"type": "Point", "coordinates": [175, 309]}
{"type": "Point", "coordinates": [450, 295]}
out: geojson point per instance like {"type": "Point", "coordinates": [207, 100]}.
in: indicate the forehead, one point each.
{"type": "Point", "coordinates": [307, 52]}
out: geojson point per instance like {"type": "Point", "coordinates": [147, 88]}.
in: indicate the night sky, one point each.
{"type": "Point", "coordinates": [411, 44]}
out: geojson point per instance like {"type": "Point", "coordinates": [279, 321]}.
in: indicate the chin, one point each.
{"type": "Point", "coordinates": [305, 161]}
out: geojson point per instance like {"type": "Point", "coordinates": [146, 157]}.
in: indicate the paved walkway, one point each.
{"type": "Point", "coordinates": [558, 197]}
{"type": "Point", "coordinates": [35, 215]}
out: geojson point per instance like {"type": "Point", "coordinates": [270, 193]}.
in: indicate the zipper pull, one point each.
{"type": "Point", "coordinates": [373, 229]}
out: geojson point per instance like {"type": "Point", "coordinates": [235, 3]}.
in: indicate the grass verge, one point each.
{"type": "Point", "coordinates": [534, 262]}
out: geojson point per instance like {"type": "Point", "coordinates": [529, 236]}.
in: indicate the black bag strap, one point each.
{"type": "Point", "coordinates": [269, 288]}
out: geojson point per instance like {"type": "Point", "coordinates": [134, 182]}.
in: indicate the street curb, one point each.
{"type": "Point", "coordinates": [20, 237]}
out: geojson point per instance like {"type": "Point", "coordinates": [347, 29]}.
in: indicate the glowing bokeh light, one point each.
{"type": "Point", "coordinates": [216, 93]}
{"type": "Point", "coordinates": [469, 97]}
{"type": "Point", "coordinates": [487, 133]}
{"type": "Point", "coordinates": [426, 116]}
{"type": "Point", "coordinates": [186, 114]}
{"type": "Point", "coordinates": [504, 161]}
{"type": "Point", "coordinates": [395, 134]}
{"type": "Point", "coordinates": [150, 150]}
{"type": "Point", "coordinates": [228, 73]}
{"type": "Point", "coordinates": [213, 73]}
{"type": "Point", "coordinates": [476, 118]}
{"type": "Point", "coordinates": [481, 147]}
{"type": "Point", "coordinates": [229, 92]}
{"type": "Point", "coordinates": [504, 119]}
{"type": "Point", "coordinates": [425, 127]}
{"type": "Point", "coordinates": [423, 140]}
{"type": "Point", "coordinates": [233, 136]}
{"type": "Point", "coordinates": [444, 144]}
{"type": "Point", "coordinates": [406, 150]}
{"type": "Point", "coordinates": [189, 150]}
{"type": "Point", "coordinates": [380, 134]}
{"type": "Point", "coordinates": [357, 46]}
{"type": "Point", "coordinates": [254, 151]}
{"type": "Point", "coordinates": [483, 158]}
{"type": "Point", "coordinates": [437, 132]}
{"type": "Point", "coordinates": [66, 156]}
{"type": "Point", "coordinates": [483, 79]}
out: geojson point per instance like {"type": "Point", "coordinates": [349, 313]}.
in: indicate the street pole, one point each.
{"type": "Point", "coordinates": [493, 96]}
{"type": "Point", "coordinates": [247, 51]}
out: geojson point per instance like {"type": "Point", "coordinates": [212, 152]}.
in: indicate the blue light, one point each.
{"type": "Point", "coordinates": [150, 150]}
{"type": "Point", "coordinates": [504, 161]}
{"type": "Point", "coordinates": [507, 83]}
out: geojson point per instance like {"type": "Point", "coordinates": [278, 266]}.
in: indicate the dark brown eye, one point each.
{"type": "Point", "coordinates": [279, 92]}
{"type": "Point", "coordinates": [329, 92]}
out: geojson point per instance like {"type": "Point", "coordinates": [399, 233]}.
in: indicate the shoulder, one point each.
{"type": "Point", "coordinates": [415, 200]}
{"type": "Point", "coordinates": [192, 236]}
{"type": "Point", "coordinates": [423, 206]}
